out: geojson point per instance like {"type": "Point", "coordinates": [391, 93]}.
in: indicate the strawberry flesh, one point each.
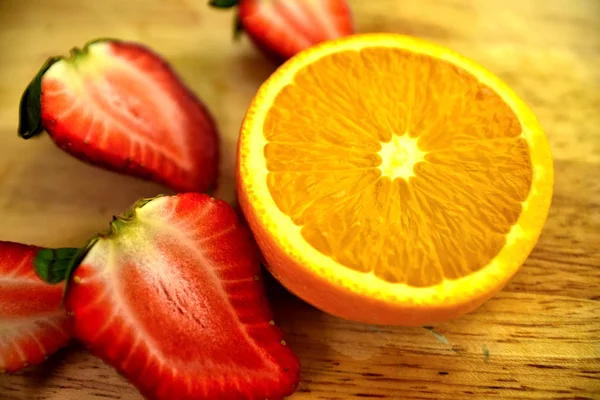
{"type": "Point", "coordinates": [285, 27]}
{"type": "Point", "coordinates": [33, 325]}
{"type": "Point", "coordinates": [121, 106]}
{"type": "Point", "coordinates": [171, 297]}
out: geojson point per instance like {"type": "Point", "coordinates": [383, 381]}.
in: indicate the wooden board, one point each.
{"type": "Point", "coordinates": [538, 339]}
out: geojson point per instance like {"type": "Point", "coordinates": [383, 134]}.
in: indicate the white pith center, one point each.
{"type": "Point", "coordinates": [399, 156]}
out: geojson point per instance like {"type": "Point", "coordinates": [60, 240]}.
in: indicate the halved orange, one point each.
{"type": "Point", "coordinates": [390, 180]}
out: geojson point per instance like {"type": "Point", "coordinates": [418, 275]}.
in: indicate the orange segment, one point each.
{"type": "Point", "coordinates": [402, 178]}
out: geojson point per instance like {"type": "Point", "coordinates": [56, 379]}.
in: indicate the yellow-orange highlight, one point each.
{"type": "Point", "coordinates": [390, 180]}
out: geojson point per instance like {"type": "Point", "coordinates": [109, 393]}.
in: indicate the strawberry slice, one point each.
{"type": "Point", "coordinates": [33, 325]}
{"type": "Point", "coordinates": [282, 28]}
{"type": "Point", "coordinates": [171, 296]}
{"type": "Point", "coordinates": [120, 106]}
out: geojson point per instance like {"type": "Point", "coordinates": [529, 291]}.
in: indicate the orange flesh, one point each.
{"type": "Point", "coordinates": [408, 167]}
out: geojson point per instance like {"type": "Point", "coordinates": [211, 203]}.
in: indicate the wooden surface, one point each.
{"type": "Point", "coordinates": [538, 339]}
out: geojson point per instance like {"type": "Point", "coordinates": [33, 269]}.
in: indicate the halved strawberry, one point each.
{"type": "Point", "coordinates": [121, 106]}
{"type": "Point", "coordinates": [171, 296]}
{"type": "Point", "coordinates": [33, 325]}
{"type": "Point", "coordinates": [282, 28]}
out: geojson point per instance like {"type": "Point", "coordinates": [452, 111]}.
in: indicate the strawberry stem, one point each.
{"type": "Point", "coordinates": [51, 265]}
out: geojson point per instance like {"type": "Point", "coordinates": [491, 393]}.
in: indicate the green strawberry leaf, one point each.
{"type": "Point", "coordinates": [51, 265]}
{"type": "Point", "coordinates": [55, 265]}
{"type": "Point", "coordinates": [30, 108]}
{"type": "Point", "coordinates": [74, 262]}
{"type": "Point", "coordinates": [223, 3]}
{"type": "Point", "coordinates": [238, 28]}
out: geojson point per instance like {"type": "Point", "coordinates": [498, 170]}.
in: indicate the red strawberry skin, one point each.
{"type": "Point", "coordinates": [33, 325]}
{"type": "Point", "coordinates": [120, 106]}
{"type": "Point", "coordinates": [173, 299]}
{"type": "Point", "coordinates": [283, 28]}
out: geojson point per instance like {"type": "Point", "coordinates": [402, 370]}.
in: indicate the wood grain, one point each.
{"type": "Point", "coordinates": [538, 339]}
